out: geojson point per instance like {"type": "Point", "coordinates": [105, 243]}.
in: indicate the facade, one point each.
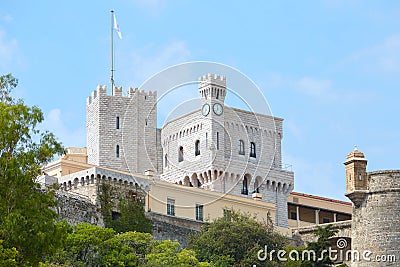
{"type": "Point", "coordinates": [376, 211]}
{"type": "Point", "coordinates": [202, 205]}
{"type": "Point", "coordinates": [227, 150]}
{"type": "Point", "coordinates": [216, 148]}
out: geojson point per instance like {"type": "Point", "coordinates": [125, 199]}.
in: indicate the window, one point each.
{"type": "Point", "coordinates": [165, 160]}
{"type": "Point", "coordinates": [293, 215]}
{"type": "Point", "coordinates": [117, 122]}
{"type": "Point", "coordinates": [115, 216]}
{"type": "Point", "coordinates": [217, 140]}
{"type": "Point", "coordinates": [180, 154]}
{"type": "Point", "coordinates": [256, 185]}
{"type": "Point", "coordinates": [197, 148]}
{"type": "Point", "coordinates": [170, 206]}
{"type": "Point", "coordinates": [245, 190]}
{"type": "Point", "coordinates": [199, 212]}
{"type": "Point", "coordinates": [326, 220]}
{"type": "Point", "coordinates": [252, 150]}
{"type": "Point", "coordinates": [117, 151]}
{"type": "Point", "coordinates": [241, 147]}
{"type": "Point", "coordinates": [206, 141]}
{"type": "Point", "coordinates": [145, 122]}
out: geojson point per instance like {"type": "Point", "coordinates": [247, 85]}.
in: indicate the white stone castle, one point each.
{"type": "Point", "coordinates": [215, 147]}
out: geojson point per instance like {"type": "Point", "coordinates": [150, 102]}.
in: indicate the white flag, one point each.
{"type": "Point", "coordinates": [116, 27]}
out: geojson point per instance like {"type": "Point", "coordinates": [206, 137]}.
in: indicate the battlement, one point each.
{"type": "Point", "coordinates": [212, 79]}
{"type": "Point", "coordinates": [101, 90]}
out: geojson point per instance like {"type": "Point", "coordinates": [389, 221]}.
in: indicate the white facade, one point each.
{"type": "Point", "coordinates": [121, 130]}
{"type": "Point", "coordinates": [230, 150]}
{"type": "Point", "coordinates": [216, 147]}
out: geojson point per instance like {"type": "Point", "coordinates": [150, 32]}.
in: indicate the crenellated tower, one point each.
{"type": "Point", "coordinates": [121, 130]}
{"type": "Point", "coordinates": [212, 92]}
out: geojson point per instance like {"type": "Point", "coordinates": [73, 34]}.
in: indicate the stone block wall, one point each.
{"type": "Point", "coordinates": [77, 209]}
{"type": "Point", "coordinates": [376, 221]}
{"type": "Point", "coordinates": [173, 228]}
{"type": "Point", "coordinates": [121, 130]}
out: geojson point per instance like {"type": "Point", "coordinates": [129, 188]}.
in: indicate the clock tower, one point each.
{"type": "Point", "coordinates": [212, 92]}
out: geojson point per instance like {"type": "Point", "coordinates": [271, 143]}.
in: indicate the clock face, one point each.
{"type": "Point", "coordinates": [205, 109]}
{"type": "Point", "coordinates": [218, 109]}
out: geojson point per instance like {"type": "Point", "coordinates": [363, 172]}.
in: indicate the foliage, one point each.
{"type": "Point", "coordinates": [132, 216]}
{"type": "Point", "coordinates": [166, 253]}
{"type": "Point", "coordinates": [323, 234]}
{"type": "Point", "coordinates": [91, 245]}
{"type": "Point", "coordinates": [8, 256]}
{"type": "Point", "coordinates": [235, 239]}
{"type": "Point", "coordinates": [26, 218]}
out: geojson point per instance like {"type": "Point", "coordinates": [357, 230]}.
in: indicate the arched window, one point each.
{"type": "Point", "coordinates": [165, 160]}
{"type": "Point", "coordinates": [197, 148]}
{"type": "Point", "coordinates": [257, 184]}
{"type": "Point", "coordinates": [252, 150]}
{"type": "Point", "coordinates": [180, 154]}
{"type": "Point", "coordinates": [117, 151]}
{"type": "Point", "coordinates": [117, 123]}
{"type": "Point", "coordinates": [245, 190]}
{"type": "Point", "coordinates": [241, 147]}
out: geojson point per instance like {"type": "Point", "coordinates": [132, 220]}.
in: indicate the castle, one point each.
{"type": "Point", "coordinates": [214, 158]}
{"type": "Point", "coordinates": [215, 147]}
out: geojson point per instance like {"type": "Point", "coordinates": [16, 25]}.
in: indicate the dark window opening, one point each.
{"type": "Point", "coordinates": [241, 147]}
{"type": "Point", "coordinates": [293, 215]}
{"type": "Point", "coordinates": [170, 206]}
{"type": "Point", "coordinates": [252, 150]}
{"type": "Point", "coordinates": [115, 215]}
{"type": "Point", "coordinates": [117, 123]}
{"type": "Point", "coordinates": [166, 160]}
{"type": "Point", "coordinates": [245, 190]}
{"type": "Point", "coordinates": [197, 148]}
{"type": "Point", "coordinates": [180, 154]}
{"type": "Point", "coordinates": [217, 140]}
{"type": "Point", "coordinates": [117, 151]}
{"type": "Point", "coordinates": [199, 212]}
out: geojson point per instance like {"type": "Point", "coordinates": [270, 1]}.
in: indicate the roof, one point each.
{"type": "Point", "coordinates": [321, 198]}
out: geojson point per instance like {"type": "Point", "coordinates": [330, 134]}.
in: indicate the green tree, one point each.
{"type": "Point", "coordinates": [235, 239]}
{"type": "Point", "coordinates": [132, 218]}
{"type": "Point", "coordinates": [90, 245]}
{"type": "Point", "coordinates": [131, 211]}
{"type": "Point", "coordinates": [8, 256]}
{"type": "Point", "coordinates": [27, 222]}
{"type": "Point", "coordinates": [323, 234]}
{"type": "Point", "coordinates": [167, 253]}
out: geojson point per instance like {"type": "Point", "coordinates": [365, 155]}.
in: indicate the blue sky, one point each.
{"type": "Point", "coordinates": [330, 68]}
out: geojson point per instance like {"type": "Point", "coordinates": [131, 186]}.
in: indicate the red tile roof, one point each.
{"type": "Point", "coordinates": [321, 198]}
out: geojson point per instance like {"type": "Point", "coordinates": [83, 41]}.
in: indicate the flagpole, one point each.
{"type": "Point", "coordinates": [112, 53]}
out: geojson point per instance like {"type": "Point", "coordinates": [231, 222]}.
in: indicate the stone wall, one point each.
{"type": "Point", "coordinates": [306, 234]}
{"type": "Point", "coordinates": [76, 209]}
{"type": "Point", "coordinates": [173, 228]}
{"type": "Point", "coordinates": [376, 220]}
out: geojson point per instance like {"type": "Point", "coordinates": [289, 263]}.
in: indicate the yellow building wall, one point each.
{"type": "Point", "coordinates": [213, 203]}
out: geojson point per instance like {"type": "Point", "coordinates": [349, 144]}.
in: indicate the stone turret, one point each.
{"type": "Point", "coordinates": [356, 175]}
{"type": "Point", "coordinates": [376, 212]}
